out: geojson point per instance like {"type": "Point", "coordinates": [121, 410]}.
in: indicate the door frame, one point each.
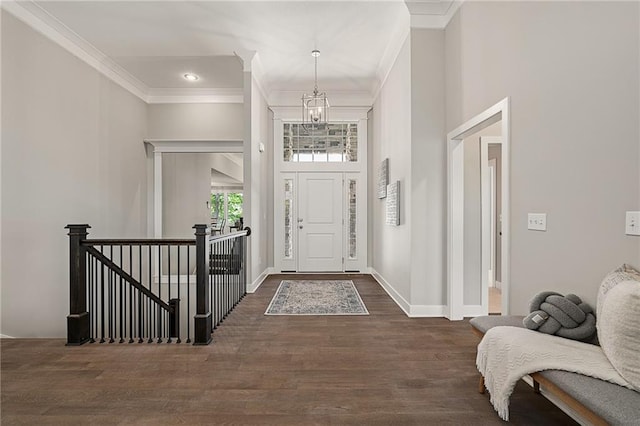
{"type": "Point", "coordinates": [455, 203]}
{"type": "Point", "coordinates": [155, 148]}
{"type": "Point", "coordinates": [487, 205]}
{"type": "Point", "coordinates": [358, 168]}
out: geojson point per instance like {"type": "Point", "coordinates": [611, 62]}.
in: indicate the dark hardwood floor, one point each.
{"type": "Point", "coordinates": [381, 369]}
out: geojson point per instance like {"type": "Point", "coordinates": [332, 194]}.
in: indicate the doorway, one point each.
{"type": "Point", "coordinates": [491, 199]}
{"type": "Point", "coordinates": [457, 309]}
{"type": "Point", "coordinates": [320, 222]}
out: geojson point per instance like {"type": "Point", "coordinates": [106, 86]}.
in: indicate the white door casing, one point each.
{"type": "Point", "coordinates": [320, 227]}
{"type": "Point", "coordinates": [488, 233]}
{"type": "Point", "coordinates": [455, 195]}
{"type": "Point", "coordinates": [354, 170]}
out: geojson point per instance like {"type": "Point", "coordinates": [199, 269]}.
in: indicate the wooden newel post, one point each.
{"type": "Point", "coordinates": [202, 319]}
{"type": "Point", "coordinates": [78, 318]}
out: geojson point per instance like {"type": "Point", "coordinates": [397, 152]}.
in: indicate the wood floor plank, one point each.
{"type": "Point", "coordinates": [380, 369]}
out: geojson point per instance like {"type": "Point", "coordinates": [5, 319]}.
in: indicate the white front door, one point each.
{"type": "Point", "coordinates": [320, 214]}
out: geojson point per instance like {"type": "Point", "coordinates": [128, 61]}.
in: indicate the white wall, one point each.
{"type": "Point", "coordinates": [392, 139]}
{"type": "Point", "coordinates": [571, 71]}
{"type": "Point", "coordinates": [186, 189]}
{"type": "Point", "coordinates": [428, 169]}
{"type": "Point", "coordinates": [72, 153]}
{"type": "Point", "coordinates": [195, 121]}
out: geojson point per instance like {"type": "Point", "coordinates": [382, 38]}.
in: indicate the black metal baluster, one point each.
{"type": "Point", "coordinates": [111, 301]}
{"type": "Point", "coordinates": [102, 302]}
{"type": "Point", "coordinates": [169, 285]}
{"type": "Point", "coordinates": [131, 294]}
{"type": "Point", "coordinates": [122, 302]}
{"type": "Point", "coordinates": [90, 304]}
{"type": "Point", "coordinates": [159, 311]}
{"type": "Point", "coordinates": [139, 293]}
{"type": "Point", "coordinates": [179, 301]}
{"type": "Point", "coordinates": [213, 264]}
{"type": "Point", "coordinates": [149, 313]}
{"type": "Point", "coordinates": [188, 294]}
{"type": "Point", "coordinates": [227, 276]}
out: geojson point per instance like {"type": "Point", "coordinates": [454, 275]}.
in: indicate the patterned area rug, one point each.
{"type": "Point", "coordinates": [316, 298]}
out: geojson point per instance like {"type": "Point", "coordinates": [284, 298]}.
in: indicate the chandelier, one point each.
{"type": "Point", "coordinates": [315, 107]}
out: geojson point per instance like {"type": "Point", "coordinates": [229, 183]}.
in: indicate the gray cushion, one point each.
{"type": "Point", "coordinates": [484, 323]}
{"type": "Point", "coordinates": [615, 404]}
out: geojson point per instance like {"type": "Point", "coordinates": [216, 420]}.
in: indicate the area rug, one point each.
{"type": "Point", "coordinates": [318, 297]}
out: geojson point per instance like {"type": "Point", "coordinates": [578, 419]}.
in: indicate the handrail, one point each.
{"type": "Point", "coordinates": [141, 242]}
{"type": "Point", "coordinates": [115, 268]}
{"type": "Point", "coordinates": [246, 231]}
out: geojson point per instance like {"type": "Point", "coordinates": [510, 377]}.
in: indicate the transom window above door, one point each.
{"type": "Point", "coordinates": [332, 142]}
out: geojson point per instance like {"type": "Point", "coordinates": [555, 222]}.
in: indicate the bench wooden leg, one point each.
{"type": "Point", "coordinates": [481, 384]}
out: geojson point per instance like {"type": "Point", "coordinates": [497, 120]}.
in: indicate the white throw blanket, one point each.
{"type": "Point", "coordinates": [507, 354]}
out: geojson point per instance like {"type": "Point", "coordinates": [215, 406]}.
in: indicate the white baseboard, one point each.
{"type": "Point", "coordinates": [421, 311]}
{"type": "Point", "coordinates": [251, 288]}
{"type": "Point", "coordinates": [4, 336]}
{"type": "Point", "coordinates": [472, 311]}
{"type": "Point", "coordinates": [412, 311]}
{"type": "Point", "coordinates": [498, 285]}
{"type": "Point", "coordinates": [397, 297]}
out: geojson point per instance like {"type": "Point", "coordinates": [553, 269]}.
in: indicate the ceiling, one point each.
{"type": "Point", "coordinates": [156, 42]}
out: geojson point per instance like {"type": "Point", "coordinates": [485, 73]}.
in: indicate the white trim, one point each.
{"type": "Point", "coordinates": [412, 311]}
{"type": "Point", "coordinates": [435, 20]}
{"type": "Point", "coordinates": [46, 24]}
{"type": "Point", "coordinates": [397, 297]}
{"type": "Point", "coordinates": [455, 198]}
{"type": "Point", "coordinates": [157, 194]}
{"type": "Point", "coordinates": [4, 336]}
{"type": "Point", "coordinates": [487, 235]}
{"type": "Point", "coordinates": [473, 311]}
{"type": "Point", "coordinates": [160, 146]}
{"type": "Point", "coordinates": [251, 288]}
{"type": "Point", "coordinates": [49, 26]}
{"type": "Point", "coordinates": [390, 56]}
{"type": "Point", "coordinates": [427, 311]}
{"type": "Point", "coordinates": [195, 145]}
{"type": "Point", "coordinates": [195, 96]}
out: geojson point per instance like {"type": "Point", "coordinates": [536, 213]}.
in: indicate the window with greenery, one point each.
{"type": "Point", "coordinates": [217, 206]}
{"type": "Point", "coordinates": [226, 205]}
{"type": "Point", "coordinates": [234, 207]}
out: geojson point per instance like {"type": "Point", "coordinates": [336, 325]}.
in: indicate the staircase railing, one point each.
{"type": "Point", "coordinates": [140, 290]}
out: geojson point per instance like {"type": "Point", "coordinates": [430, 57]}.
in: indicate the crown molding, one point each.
{"type": "Point", "coordinates": [438, 18]}
{"type": "Point", "coordinates": [46, 24]}
{"type": "Point", "coordinates": [391, 53]}
{"type": "Point", "coordinates": [43, 22]}
{"type": "Point", "coordinates": [195, 96]}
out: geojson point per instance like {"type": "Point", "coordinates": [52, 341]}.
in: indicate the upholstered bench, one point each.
{"type": "Point", "coordinates": [595, 401]}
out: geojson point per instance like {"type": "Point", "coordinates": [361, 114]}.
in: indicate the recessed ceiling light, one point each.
{"type": "Point", "coordinates": [191, 77]}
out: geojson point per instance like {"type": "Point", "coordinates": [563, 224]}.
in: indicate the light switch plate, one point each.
{"type": "Point", "coordinates": [537, 221]}
{"type": "Point", "coordinates": [632, 223]}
